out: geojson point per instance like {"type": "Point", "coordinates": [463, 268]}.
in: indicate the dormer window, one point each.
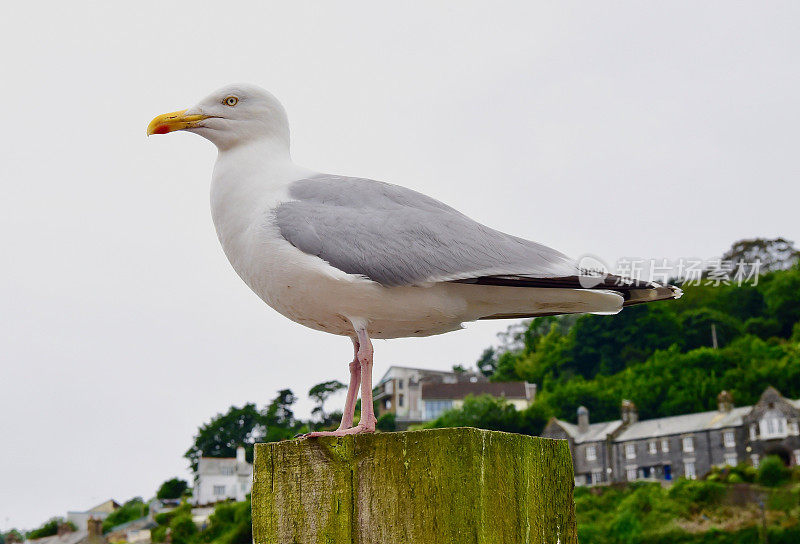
{"type": "Point", "coordinates": [772, 425]}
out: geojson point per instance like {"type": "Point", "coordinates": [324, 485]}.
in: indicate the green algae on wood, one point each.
{"type": "Point", "coordinates": [440, 486]}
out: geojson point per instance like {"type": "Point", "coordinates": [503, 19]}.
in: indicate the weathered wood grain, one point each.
{"type": "Point", "coordinates": [448, 486]}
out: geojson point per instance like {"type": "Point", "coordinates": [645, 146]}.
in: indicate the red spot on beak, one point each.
{"type": "Point", "coordinates": [161, 129]}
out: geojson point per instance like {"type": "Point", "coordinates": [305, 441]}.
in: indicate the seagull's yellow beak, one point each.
{"type": "Point", "coordinates": [170, 122]}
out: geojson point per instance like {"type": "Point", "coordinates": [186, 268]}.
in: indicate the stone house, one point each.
{"type": "Point", "coordinates": [686, 446]}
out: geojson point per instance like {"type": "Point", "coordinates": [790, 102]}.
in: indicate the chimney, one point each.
{"type": "Point", "coordinates": [240, 455]}
{"type": "Point", "coordinates": [725, 402]}
{"type": "Point", "coordinates": [630, 414]}
{"type": "Point", "coordinates": [583, 419]}
{"type": "Point", "coordinates": [95, 528]}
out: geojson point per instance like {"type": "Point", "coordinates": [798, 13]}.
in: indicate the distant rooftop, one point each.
{"type": "Point", "coordinates": [459, 390]}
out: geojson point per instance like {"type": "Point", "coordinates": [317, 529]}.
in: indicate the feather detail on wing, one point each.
{"type": "Point", "coordinates": [396, 236]}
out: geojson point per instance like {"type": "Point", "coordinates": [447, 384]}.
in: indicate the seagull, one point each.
{"type": "Point", "coordinates": [366, 259]}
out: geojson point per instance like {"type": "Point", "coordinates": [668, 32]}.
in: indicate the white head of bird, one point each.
{"type": "Point", "coordinates": [229, 117]}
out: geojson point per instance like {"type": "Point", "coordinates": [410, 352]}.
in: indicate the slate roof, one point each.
{"type": "Point", "coordinates": [509, 390]}
{"type": "Point", "coordinates": [213, 465]}
{"type": "Point", "coordinates": [596, 432]}
{"type": "Point", "coordinates": [687, 423]}
{"type": "Point", "coordinates": [69, 538]}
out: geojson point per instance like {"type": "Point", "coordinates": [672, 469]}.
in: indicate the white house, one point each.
{"type": "Point", "coordinates": [221, 478]}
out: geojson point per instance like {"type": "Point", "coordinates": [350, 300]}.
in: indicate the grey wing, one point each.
{"type": "Point", "coordinates": [396, 236]}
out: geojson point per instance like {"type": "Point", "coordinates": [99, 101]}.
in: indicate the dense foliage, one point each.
{"type": "Point", "coordinates": [690, 512]}
{"type": "Point", "coordinates": [230, 523]}
{"type": "Point", "coordinates": [172, 489]}
{"type": "Point", "coordinates": [49, 528]}
{"type": "Point", "coordinates": [131, 510]}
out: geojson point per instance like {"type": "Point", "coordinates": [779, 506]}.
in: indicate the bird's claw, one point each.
{"type": "Point", "coordinates": [338, 433]}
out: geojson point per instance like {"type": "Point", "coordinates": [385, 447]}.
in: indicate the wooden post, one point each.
{"type": "Point", "coordinates": [448, 486]}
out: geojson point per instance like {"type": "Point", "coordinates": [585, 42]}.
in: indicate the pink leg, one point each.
{"type": "Point", "coordinates": [363, 360]}
{"type": "Point", "coordinates": [352, 390]}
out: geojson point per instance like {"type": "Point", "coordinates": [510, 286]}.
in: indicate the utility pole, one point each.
{"type": "Point", "coordinates": [714, 336]}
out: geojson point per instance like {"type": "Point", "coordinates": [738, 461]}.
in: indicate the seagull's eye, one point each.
{"type": "Point", "coordinates": [231, 101]}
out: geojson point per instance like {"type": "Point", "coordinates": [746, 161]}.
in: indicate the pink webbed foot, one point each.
{"type": "Point", "coordinates": [358, 429]}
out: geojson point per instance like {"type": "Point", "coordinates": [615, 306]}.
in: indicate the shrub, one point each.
{"type": "Point", "coordinates": [386, 422]}
{"type": "Point", "coordinates": [772, 472]}
{"type": "Point", "coordinates": [158, 534]}
{"type": "Point", "coordinates": [49, 528]}
{"type": "Point", "coordinates": [182, 529]}
{"type": "Point", "coordinates": [131, 510]}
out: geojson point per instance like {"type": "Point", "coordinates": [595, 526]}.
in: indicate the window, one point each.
{"type": "Point", "coordinates": [688, 444]}
{"type": "Point", "coordinates": [400, 400]}
{"type": "Point", "coordinates": [434, 408]}
{"type": "Point", "coordinates": [597, 477]}
{"type": "Point", "coordinates": [227, 471]}
{"type": "Point", "coordinates": [630, 451]}
{"type": "Point", "coordinates": [753, 433]}
{"type": "Point", "coordinates": [219, 490]}
{"type": "Point", "coordinates": [688, 470]}
{"type": "Point", "coordinates": [591, 453]}
{"type": "Point", "coordinates": [630, 473]}
{"type": "Point", "coordinates": [652, 447]}
{"type": "Point", "coordinates": [793, 429]}
{"type": "Point", "coordinates": [754, 459]}
{"type": "Point", "coordinates": [665, 445]}
{"type": "Point", "coordinates": [772, 424]}
{"type": "Point", "coordinates": [730, 459]}
{"type": "Point", "coordinates": [400, 384]}
{"type": "Point", "coordinates": [728, 439]}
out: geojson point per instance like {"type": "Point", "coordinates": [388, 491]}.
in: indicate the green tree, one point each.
{"type": "Point", "coordinates": [782, 295]}
{"type": "Point", "coordinates": [487, 363]}
{"type": "Point", "coordinates": [320, 393]}
{"type": "Point", "coordinates": [607, 344]}
{"type": "Point", "coordinates": [172, 489]}
{"type": "Point", "coordinates": [773, 253]}
{"type": "Point", "coordinates": [697, 328]}
{"type": "Point", "coordinates": [279, 412]}
{"type": "Point", "coordinates": [387, 422]}
{"type": "Point", "coordinates": [225, 432]}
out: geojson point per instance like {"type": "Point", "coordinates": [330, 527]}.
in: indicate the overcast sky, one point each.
{"type": "Point", "coordinates": [611, 128]}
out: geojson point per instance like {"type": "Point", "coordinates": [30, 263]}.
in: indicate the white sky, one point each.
{"type": "Point", "coordinates": [614, 128]}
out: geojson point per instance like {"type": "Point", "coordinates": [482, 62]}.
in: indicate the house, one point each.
{"type": "Point", "coordinates": [101, 512]}
{"type": "Point", "coordinates": [686, 446]}
{"type": "Point", "coordinates": [89, 533]}
{"type": "Point", "coordinates": [222, 478]}
{"type": "Point", "coordinates": [417, 395]}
